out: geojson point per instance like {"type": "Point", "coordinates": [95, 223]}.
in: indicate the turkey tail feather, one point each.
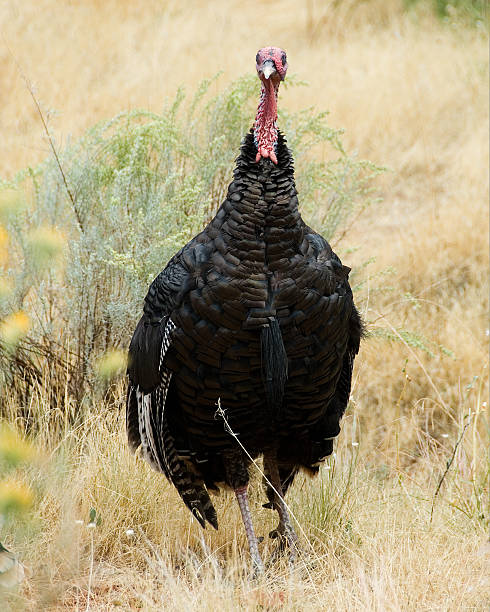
{"type": "Point", "coordinates": [197, 499]}
{"type": "Point", "coordinates": [274, 365]}
{"type": "Point", "coordinates": [132, 423]}
{"type": "Point", "coordinates": [153, 434]}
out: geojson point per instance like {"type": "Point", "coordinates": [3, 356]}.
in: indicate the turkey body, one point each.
{"type": "Point", "coordinates": [255, 313]}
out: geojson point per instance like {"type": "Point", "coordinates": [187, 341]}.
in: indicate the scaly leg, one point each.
{"type": "Point", "coordinates": [284, 530]}
{"type": "Point", "coordinates": [242, 498]}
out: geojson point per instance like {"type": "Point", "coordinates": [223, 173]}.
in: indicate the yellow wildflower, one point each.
{"type": "Point", "coordinates": [13, 328]}
{"type": "Point", "coordinates": [111, 364]}
{"type": "Point", "coordinates": [13, 448]}
{"type": "Point", "coordinates": [15, 497]}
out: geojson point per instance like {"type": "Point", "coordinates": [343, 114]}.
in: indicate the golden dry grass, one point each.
{"type": "Point", "coordinates": [412, 95]}
{"type": "Point", "coordinates": [367, 536]}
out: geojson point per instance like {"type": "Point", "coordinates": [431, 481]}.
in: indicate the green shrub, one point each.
{"type": "Point", "coordinates": [138, 187]}
{"type": "Point", "coordinates": [474, 12]}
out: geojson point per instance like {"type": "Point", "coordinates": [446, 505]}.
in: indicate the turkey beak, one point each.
{"type": "Point", "coordinates": [268, 68]}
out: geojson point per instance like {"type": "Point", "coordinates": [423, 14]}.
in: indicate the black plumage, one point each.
{"type": "Point", "coordinates": [255, 312]}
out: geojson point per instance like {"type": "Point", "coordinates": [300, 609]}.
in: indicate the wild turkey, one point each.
{"type": "Point", "coordinates": [255, 313]}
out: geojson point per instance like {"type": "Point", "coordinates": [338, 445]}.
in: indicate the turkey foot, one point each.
{"type": "Point", "coordinates": [284, 531]}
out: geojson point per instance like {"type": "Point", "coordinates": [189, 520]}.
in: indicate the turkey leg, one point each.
{"type": "Point", "coordinates": [242, 498]}
{"type": "Point", "coordinates": [284, 531]}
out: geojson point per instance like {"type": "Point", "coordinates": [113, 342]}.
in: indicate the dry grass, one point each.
{"type": "Point", "coordinates": [368, 539]}
{"type": "Point", "coordinates": [412, 94]}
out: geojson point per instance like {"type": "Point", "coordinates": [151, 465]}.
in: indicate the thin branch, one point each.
{"type": "Point", "coordinates": [55, 153]}
{"type": "Point", "coordinates": [30, 89]}
{"type": "Point", "coordinates": [448, 465]}
{"type": "Point", "coordinates": [221, 413]}
{"type": "Point", "coordinates": [91, 572]}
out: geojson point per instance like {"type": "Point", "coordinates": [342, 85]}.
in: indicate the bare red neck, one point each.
{"type": "Point", "coordinates": [265, 130]}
